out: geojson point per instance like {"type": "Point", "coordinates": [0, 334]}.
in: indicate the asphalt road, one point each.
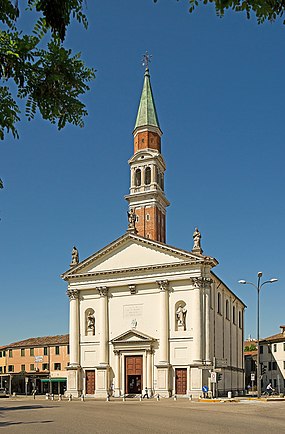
{"type": "Point", "coordinates": [23, 415]}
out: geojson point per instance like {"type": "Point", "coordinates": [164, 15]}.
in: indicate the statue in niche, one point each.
{"type": "Point", "coordinates": [90, 324]}
{"type": "Point", "coordinates": [74, 256]}
{"type": "Point", "coordinates": [181, 316]}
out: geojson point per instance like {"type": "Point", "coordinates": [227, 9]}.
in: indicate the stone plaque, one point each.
{"type": "Point", "coordinates": [132, 310]}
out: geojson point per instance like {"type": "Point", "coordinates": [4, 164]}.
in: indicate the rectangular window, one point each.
{"type": "Point", "coordinates": [239, 319]}
{"type": "Point", "coordinates": [45, 351]}
{"type": "Point", "coordinates": [274, 366]}
{"type": "Point", "coordinates": [57, 366]}
{"type": "Point", "coordinates": [22, 352]}
{"type": "Point", "coordinates": [32, 351]}
{"type": "Point", "coordinates": [32, 367]}
{"type": "Point", "coordinates": [0, 369]}
{"type": "Point", "coordinates": [57, 350]}
{"type": "Point", "coordinates": [274, 348]}
{"type": "Point", "coordinates": [268, 349]}
{"type": "Point", "coordinates": [275, 382]}
{"type": "Point", "coordinates": [23, 368]}
{"type": "Point", "coordinates": [4, 369]}
{"type": "Point", "coordinates": [10, 353]}
{"type": "Point", "coordinates": [269, 366]}
{"type": "Point", "coordinates": [45, 366]}
{"type": "Point", "coordinates": [0, 353]}
{"type": "Point", "coordinates": [4, 353]}
{"type": "Point", "coordinates": [11, 368]}
{"type": "Point", "coordinates": [261, 349]}
{"type": "Point", "coordinates": [234, 314]}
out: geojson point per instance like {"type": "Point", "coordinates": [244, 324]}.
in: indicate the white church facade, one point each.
{"type": "Point", "coordinates": [146, 316]}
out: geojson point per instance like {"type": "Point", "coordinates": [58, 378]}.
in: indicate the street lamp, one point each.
{"type": "Point", "coordinates": [258, 287]}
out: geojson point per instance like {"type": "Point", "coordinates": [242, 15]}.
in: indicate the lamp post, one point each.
{"type": "Point", "coordinates": [258, 287]}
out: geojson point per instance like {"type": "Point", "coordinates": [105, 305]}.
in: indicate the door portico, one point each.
{"type": "Point", "coordinates": [134, 363]}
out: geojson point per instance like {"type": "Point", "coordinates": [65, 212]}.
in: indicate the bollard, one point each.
{"type": "Point", "coordinates": [190, 397]}
{"type": "Point", "coordinates": [52, 397]}
{"type": "Point", "coordinates": [47, 395]}
{"type": "Point", "coordinates": [158, 397]}
{"type": "Point", "coordinates": [108, 397]}
{"type": "Point", "coordinates": [140, 398]}
{"type": "Point", "coordinates": [124, 398]}
{"type": "Point", "coordinates": [70, 398]}
{"type": "Point", "coordinates": [175, 398]}
{"type": "Point", "coordinates": [60, 397]}
{"type": "Point", "coordinates": [82, 397]}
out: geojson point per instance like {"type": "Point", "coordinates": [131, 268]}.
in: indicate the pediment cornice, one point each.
{"type": "Point", "coordinates": [189, 258]}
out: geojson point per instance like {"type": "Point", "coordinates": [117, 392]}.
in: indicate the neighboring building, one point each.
{"type": "Point", "coordinates": [35, 363]}
{"type": "Point", "coordinates": [250, 369]}
{"type": "Point", "coordinates": [144, 314]}
{"type": "Point", "coordinates": [272, 359]}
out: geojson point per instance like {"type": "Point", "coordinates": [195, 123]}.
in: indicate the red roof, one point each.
{"type": "Point", "coordinates": [43, 341]}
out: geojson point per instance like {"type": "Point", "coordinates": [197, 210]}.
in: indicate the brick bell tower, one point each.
{"type": "Point", "coordinates": [146, 197]}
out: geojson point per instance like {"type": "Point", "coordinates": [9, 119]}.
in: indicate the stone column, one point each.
{"type": "Point", "coordinates": [117, 383]}
{"type": "Point", "coordinates": [164, 326]}
{"type": "Point", "coordinates": [197, 321]}
{"type": "Point", "coordinates": [133, 172]}
{"type": "Point", "coordinates": [149, 371]}
{"type": "Point", "coordinates": [207, 322]}
{"type": "Point", "coordinates": [163, 387]}
{"type": "Point", "coordinates": [103, 354]}
{"type": "Point", "coordinates": [142, 175]}
{"type": "Point", "coordinates": [73, 295]}
{"type": "Point", "coordinates": [74, 378]}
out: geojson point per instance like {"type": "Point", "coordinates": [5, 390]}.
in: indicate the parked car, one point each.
{"type": "Point", "coordinates": [3, 392]}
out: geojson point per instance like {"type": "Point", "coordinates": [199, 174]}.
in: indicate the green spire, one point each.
{"type": "Point", "coordinates": [147, 115]}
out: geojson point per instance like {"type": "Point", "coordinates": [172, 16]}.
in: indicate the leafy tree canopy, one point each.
{"type": "Point", "coordinates": [264, 10]}
{"type": "Point", "coordinates": [45, 74]}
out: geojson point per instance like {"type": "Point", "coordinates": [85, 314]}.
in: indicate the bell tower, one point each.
{"type": "Point", "coordinates": [147, 166]}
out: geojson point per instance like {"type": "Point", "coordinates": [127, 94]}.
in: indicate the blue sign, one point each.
{"type": "Point", "coordinates": [205, 389]}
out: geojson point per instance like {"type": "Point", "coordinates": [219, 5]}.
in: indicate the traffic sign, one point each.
{"type": "Point", "coordinates": [252, 376]}
{"type": "Point", "coordinates": [213, 377]}
{"type": "Point", "coordinates": [205, 389]}
{"type": "Point", "coordinates": [38, 359]}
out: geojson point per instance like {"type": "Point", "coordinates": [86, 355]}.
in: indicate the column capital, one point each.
{"type": "Point", "coordinates": [201, 282]}
{"type": "Point", "coordinates": [103, 290]}
{"type": "Point", "coordinates": [163, 285]}
{"type": "Point", "coordinates": [72, 294]}
{"type": "Point", "coordinates": [116, 352]}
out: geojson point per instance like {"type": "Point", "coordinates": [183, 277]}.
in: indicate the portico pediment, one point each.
{"type": "Point", "coordinates": [133, 340]}
{"type": "Point", "coordinates": [132, 336]}
{"type": "Point", "coordinates": [134, 252]}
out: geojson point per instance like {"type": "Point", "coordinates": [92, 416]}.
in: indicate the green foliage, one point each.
{"type": "Point", "coordinates": [264, 10]}
{"type": "Point", "coordinates": [251, 347]}
{"type": "Point", "coordinates": [50, 78]}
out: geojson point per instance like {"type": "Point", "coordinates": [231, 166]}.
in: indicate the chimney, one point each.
{"type": "Point", "coordinates": [283, 329]}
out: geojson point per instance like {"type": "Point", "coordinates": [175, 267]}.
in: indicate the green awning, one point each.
{"type": "Point", "coordinates": [54, 380]}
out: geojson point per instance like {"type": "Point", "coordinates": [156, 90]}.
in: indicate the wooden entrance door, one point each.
{"type": "Point", "coordinates": [90, 382]}
{"type": "Point", "coordinates": [134, 371]}
{"type": "Point", "coordinates": [181, 381]}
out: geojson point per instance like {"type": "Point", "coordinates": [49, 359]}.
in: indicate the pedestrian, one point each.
{"type": "Point", "coordinates": [145, 394]}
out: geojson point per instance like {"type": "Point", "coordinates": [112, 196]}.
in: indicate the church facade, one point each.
{"type": "Point", "coordinates": [146, 317]}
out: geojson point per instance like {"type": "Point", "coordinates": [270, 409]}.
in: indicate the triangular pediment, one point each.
{"type": "Point", "coordinates": [132, 336]}
{"type": "Point", "coordinates": [130, 252]}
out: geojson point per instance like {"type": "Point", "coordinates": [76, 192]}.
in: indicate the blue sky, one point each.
{"type": "Point", "coordinates": [219, 90]}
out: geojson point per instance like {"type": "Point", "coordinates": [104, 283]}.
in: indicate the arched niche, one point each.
{"type": "Point", "coordinates": [89, 322]}
{"type": "Point", "coordinates": [180, 315]}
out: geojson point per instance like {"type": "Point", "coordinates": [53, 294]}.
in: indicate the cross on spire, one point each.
{"type": "Point", "coordinates": [146, 59]}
